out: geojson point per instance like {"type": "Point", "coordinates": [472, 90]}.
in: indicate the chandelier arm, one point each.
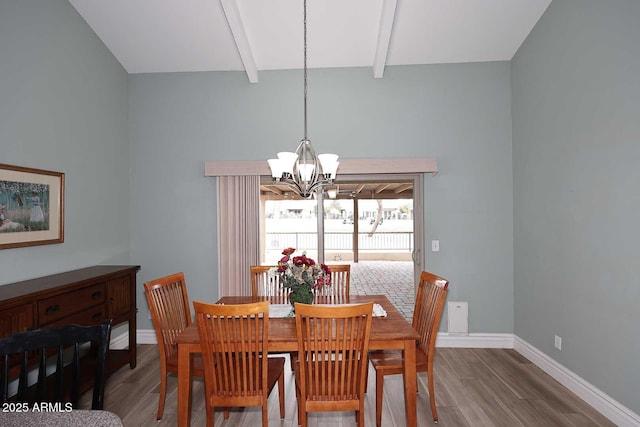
{"type": "Point", "coordinates": [294, 185]}
{"type": "Point", "coordinates": [306, 191]}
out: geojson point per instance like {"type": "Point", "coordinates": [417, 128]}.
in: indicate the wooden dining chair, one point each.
{"type": "Point", "coordinates": [338, 291]}
{"type": "Point", "coordinates": [266, 284]}
{"type": "Point", "coordinates": [237, 370]}
{"type": "Point", "coordinates": [42, 347]}
{"type": "Point", "coordinates": [170, 312]}
{"type": "Point", "coordinates": [432, 291]}
{"type": "Point", "coordinates": [332, 346]}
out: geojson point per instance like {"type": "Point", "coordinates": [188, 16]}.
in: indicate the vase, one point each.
{"type": "Point", "coordinates": [301, 294]}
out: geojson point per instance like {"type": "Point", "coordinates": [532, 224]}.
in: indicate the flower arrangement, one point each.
{"type": "Point", "coordinates": [302, 275]}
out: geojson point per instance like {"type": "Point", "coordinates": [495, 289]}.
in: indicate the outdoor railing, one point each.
{"type": "Point", "coordinates": [341, 241]}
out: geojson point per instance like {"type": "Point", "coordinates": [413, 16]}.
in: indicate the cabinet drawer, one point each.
{"type": "Point", "coordinates": [63, 305]}
{"type": "Point", "coordinates": [89, 317]}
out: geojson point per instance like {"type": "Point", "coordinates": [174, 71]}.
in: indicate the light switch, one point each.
{"type": "Point", "coordinates": [435, 245]}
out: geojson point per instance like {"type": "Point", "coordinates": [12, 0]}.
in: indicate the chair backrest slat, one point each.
{"type": "Point", "coordinates": [44, 344]}
{"type": "Point", "coordinates": [266, 284]}
{"type": "Point", "coordinates": [4, 378]}
{"type": "Point", "coordinates": [338, 291]}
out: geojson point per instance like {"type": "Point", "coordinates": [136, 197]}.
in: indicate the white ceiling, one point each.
{"type": "Point", "coordinates": [149, 36]}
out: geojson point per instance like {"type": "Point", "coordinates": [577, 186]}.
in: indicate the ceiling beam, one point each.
{"type": "Point", "coordinates": [272, 189]}
{"type": "Point", "coordinates": [403, 188]}
{"type": "Point", "coordinates": [384, 37]}
{"type": "Point", "coordinates": [232, 13]}
{"type": "Point", "coordinates": [381, 188]}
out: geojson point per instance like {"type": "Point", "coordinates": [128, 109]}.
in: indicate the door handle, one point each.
{"type": "Point", "coordinates": [415, 256]}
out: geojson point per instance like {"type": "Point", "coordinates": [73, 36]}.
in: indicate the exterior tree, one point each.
{"type": "Point", "coordinates": [378, 218]}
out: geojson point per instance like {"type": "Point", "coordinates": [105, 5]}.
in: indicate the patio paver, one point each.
{"type": "Point", "coordinates": [391, 278]}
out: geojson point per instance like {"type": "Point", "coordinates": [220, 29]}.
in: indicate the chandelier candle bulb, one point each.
{"type": "Point", "coordinates": [329, 164]}
{"type": "Point", "coordinates": [276, 168]}
{"type": "Point", "coordinates": [287, 161]}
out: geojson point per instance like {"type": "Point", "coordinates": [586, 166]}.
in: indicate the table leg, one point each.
{"type": "Point", "coordinates": [410, 385]}
{"type": "Point", "coordinates": [184, 385]}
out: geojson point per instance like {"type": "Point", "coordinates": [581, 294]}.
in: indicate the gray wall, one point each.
{"type": "Point", "coordinates": [576, 147]}
{"type": "Point", "coordinates": [63, 107]}
{"type": "Point", "coordinates": [572, 90]}
{"type": "Point", "coordinates": [459, 114]}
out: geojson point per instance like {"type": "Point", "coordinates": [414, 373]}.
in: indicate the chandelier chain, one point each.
{"type": "Point", "coordinates": [305, 69]}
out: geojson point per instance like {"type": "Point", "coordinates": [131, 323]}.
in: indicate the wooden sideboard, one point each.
{"type": "Point", "coordinates": [84, 297]}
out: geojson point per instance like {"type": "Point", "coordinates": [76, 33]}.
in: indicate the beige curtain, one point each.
{"type": "Point", "coordinates": [238, 232]}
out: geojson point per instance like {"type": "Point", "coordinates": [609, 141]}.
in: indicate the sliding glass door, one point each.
{"type": "Point", "coordinates": [288, 223]}
{"type": "Point", "coordinates": [364, 218]}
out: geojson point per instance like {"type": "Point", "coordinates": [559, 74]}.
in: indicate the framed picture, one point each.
{"type": "Point", "coordinates": [31, 207]}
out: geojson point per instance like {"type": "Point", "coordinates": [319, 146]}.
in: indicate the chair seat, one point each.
{"type": "Point", "coordinates": [391, 361]}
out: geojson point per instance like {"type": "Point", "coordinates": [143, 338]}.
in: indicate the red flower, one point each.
{"type": "Point", "coordinates": [325, 269]}
{"type": "Point", "coordinates": [297, 271]}
{"type": "Point", "coordinates": [303, 260]}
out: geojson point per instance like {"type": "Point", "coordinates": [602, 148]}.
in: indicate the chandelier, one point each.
{"type": "Point", "coordinates": [304, 171]}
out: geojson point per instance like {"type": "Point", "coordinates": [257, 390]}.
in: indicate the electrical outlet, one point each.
{"type": "Point", "coordinates": [558, 343]}
{"type": "Point", "coordinates": [435, 245]}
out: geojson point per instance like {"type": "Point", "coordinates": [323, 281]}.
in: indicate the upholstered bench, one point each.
{"type": "Point", "coordinates": [74, 418]}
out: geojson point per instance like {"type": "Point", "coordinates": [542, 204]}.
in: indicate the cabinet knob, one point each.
{"type": "Point", "coordinates": [111, 300]}
{"type": "Point", "coordinates": [96, 295]}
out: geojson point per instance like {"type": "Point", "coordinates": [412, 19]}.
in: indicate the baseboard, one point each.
{"type": "Point", "coordinates": [146, 336]}
{"type": "Point", "coordinates": [143, 336]}
{"type": "Point", "coordinates": [603, 403]}
{"type": "Point", "coordinates": [607, 406]}
{"type": "Point", "coordinates": [120, 342]}
{"type": "Point", "coordinates": [474, 340]}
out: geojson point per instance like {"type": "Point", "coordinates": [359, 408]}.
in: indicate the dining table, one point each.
{"type": "Point", "coordinates": [388, 332]}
